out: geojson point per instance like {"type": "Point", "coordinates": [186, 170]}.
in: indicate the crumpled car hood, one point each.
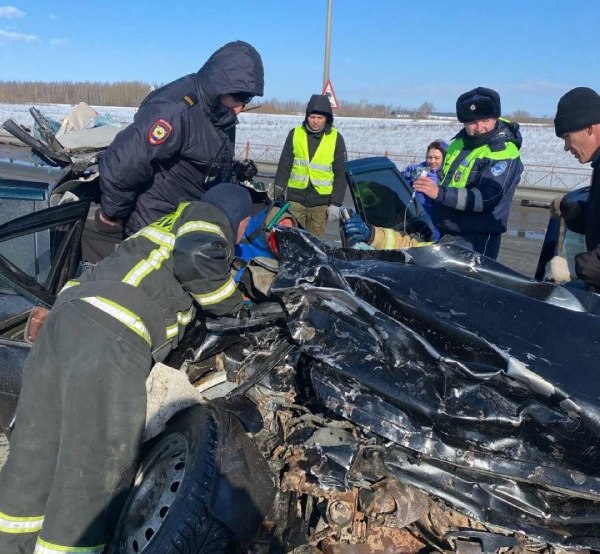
{"type": "Point", "coordinates": [488, 394]}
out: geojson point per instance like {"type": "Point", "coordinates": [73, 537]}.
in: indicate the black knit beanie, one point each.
{"type": "Point", "coordinates": [479, 103]}
{"type": "Point", "coordinates": [577, 109]}
{"type": "Point", "coordinates": [233, 199]}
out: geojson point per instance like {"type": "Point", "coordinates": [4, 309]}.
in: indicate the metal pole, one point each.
{"type": "Point", "coordinates": [327, 45]}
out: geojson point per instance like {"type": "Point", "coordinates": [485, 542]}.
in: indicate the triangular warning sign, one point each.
{"type": "Point", "coordinates": [328, 91]}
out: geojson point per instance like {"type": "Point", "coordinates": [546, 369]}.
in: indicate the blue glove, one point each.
{"type": "Point", "coordinates": [355, 230]}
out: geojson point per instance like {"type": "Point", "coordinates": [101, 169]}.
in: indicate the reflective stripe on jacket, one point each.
{"type": "Point", "coordinates": [388, 239]}
{"type": "Point", "coordinates": [479, 182]}
{"type": "Point", "coordinates": [148, 284]}
{"type": "Point", "coordinates": [318, 171]}
{"type": "Point", "coordinates": [460, 176]}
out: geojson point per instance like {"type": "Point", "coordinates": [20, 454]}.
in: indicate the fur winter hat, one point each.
{"type": "Point", "coordinates": [479, 103]}
{"type": "Point", "coordinates": [577, 109]}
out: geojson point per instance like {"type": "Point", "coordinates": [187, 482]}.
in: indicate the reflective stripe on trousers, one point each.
{"type": "Point", "coordinates": [15, 524]}
{"type": "Point", "coordinates": [43, 547]}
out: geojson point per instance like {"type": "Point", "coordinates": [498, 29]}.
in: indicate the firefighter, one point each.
{"type": "Point", "coordinates": [310, 173]}
{"type": "Point", "coordinates": [81, 412]}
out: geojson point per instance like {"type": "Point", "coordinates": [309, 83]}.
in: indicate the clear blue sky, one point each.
{"type": "Point", "coordinates": [394, 52]}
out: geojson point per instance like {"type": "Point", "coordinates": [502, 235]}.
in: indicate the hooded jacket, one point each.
{"type": "Point", "coordinates": [181, 140]}
{"type": "Point", "coordinates": [309, 196]}
{"type": "Point", "coordinates": [483, 205]}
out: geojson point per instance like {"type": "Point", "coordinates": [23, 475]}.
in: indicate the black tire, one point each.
{"type": "Point", "coordinates": [166, 511]}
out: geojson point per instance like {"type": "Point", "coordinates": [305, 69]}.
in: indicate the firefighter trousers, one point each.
{"type": "Point", "coordinates": [78, 431]}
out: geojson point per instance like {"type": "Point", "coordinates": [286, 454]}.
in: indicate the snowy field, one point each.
{"type": "Point", "coordinates": [403, 140]}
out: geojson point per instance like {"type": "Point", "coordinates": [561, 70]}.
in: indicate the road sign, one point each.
{"type": "Point", "coordinates": [328, 91]}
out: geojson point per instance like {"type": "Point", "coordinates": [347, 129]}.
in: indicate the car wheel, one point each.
{"type": "Point", "coordinates": [166, 511]}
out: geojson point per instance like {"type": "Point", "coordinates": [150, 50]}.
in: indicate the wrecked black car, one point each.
{"type": "Point", "coordinates": [402, 401]}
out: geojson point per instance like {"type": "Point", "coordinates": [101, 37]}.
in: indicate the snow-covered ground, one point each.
{"type": "Point", "coordinates": [403, 140]}
{"type": "Point", "coordinates": [397, 136]}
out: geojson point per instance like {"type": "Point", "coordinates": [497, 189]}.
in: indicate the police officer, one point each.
{"type": "Point", "coordinates": [481, 171]}
{"type": "Point", "coordinates": [310, 174]}
{"type": "Point", "coordinates": [82, 407]}
{"type": "Point", "coordinates": [181, 142]}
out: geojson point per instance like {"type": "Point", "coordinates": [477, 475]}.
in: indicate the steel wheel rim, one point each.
{"type": "Point", "coordinates": [166, 465]}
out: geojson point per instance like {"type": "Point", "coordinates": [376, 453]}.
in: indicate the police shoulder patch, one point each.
{"type": "Point", "coordinates": [499, 168]}
{"type": "Point", "coordinates": [159, 132]}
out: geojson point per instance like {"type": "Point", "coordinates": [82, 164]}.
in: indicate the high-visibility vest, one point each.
{"type": "Point", "coordinates": [319, 170]}
{"type": "Point", "coordinates": [459, 177]}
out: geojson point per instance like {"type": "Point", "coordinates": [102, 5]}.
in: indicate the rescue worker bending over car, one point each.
{"type": "Point", "coordinates": [181, 142]}
{"type": "Point", "coordinates": [81, 411]}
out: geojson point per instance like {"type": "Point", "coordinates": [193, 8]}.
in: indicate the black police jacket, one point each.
{"type": "Point", "coordinates": [181, 140]}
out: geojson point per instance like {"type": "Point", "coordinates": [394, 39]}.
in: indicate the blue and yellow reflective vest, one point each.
{"type": "Point", "coordinates": [478, 183]}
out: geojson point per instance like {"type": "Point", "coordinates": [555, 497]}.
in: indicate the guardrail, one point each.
{"type": "Point", "coordinates": [538, 182]}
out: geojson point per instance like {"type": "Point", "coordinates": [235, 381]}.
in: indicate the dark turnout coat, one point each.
{"type": "Point", "coordinates": [181, 140]}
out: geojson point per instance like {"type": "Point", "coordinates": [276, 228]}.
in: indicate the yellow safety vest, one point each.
{"type": "Point", "coordinates": [319, 170]}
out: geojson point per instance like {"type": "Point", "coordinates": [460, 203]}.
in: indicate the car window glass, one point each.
{"type": "Point", "coordinates": [11, 302]}
{"type": "Point", "coordinates": [30, 253]}
{"type": "Point", "coordinates": [386, 201]}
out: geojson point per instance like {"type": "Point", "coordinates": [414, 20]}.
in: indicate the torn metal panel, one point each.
{"type": "Point", "coordinates": [485, 402]}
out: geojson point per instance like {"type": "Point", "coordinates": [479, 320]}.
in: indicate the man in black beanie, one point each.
{"type": "Point", "coordinates": [577, 122]}
{"type": "Point", "coordinates": [481, 171]}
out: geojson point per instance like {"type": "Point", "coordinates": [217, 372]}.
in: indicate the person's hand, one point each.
{"type": "Point", "coordinates": [278, 194]}
{"type": "Point", "coordinates": [557, 270]}
{"type": "Point", "coordinates": [105, 224]}
{"type": "Point", "coordinates": [427, 186]}
{"type": "Point", "coordinates": [555, 211]}
{"type": "Point", "coordinates": [333, 212]}
{"type": "Point", "coordinates": [115, 223]}
{"type": "Point", "coordinates": [355, 230]}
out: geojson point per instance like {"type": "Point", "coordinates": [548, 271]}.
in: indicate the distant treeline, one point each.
{"type": "Point", "coordinates": [97, 94]}
{"type": "Point", "coordinates": [131, 94]}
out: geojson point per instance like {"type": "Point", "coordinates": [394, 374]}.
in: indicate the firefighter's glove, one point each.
{"type": "Point", "coordinates": [555, 210]}
{"type": "Point", "coordinates": [333, 213]}
{"type": "Point", "coordinates": [356, 230]}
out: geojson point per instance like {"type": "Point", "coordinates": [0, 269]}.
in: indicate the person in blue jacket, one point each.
{"type": "Point", "coordinates": [432, 168]}
{"type": "Point", "coordinates": [181, 142]}
{"type": "Point", "coordinates": [481, 171]}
